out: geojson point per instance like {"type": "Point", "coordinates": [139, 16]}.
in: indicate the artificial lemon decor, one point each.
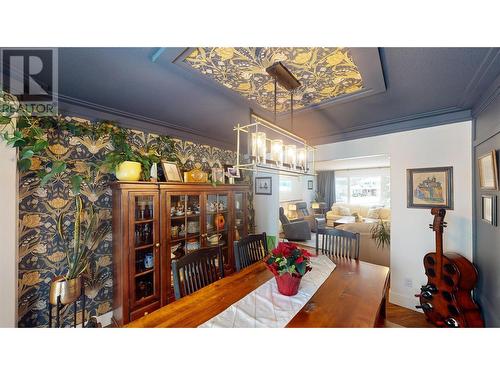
{"type": "Point", "coordinates": [128, 171]}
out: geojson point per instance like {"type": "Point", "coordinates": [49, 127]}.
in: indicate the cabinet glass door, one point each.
{"type": "Point", "coordinates": [217, 222]}
{"type": "Point", "coordinates": [145, 263]}
{"type": "Point", "coordinates": [184, 228]}
{"type": "Point", "coordinates": [240, 216]}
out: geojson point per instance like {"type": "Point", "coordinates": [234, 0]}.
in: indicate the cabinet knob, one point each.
{"type": "Point", "coordinates": [146, 313]}
{"type": "Point", "coordinates": [157, 245]}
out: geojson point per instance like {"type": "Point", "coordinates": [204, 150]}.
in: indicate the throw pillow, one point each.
{"type": "Point", "coordinates": [373, 213]}
{"type": "Point", "coordinates": [344, 211]}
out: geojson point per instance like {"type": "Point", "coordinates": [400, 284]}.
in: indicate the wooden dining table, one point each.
{"type": "Point", "coordinates": [353, 295]}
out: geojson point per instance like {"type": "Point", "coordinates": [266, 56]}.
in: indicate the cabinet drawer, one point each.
{"type": "Point", "coordinates": [136, 314]}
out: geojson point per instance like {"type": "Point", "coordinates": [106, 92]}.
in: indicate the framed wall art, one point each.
{"type": "Point", "coordinates": [489, 209]}
{"type": "Point", "coordinates": [263, 186]}
{"type": "Point", "coordinates": [309, 184]}
{"type": "Point", "coordinates": [218, 175]}
{"type": "Point", "coordinates": [171, 171]}
{"type": "Point", "coordinates": [233, 172]}
{"type": "Point", "coordinates": [488, 172]}
{"type": "Point", "coordinates": [430, 187]}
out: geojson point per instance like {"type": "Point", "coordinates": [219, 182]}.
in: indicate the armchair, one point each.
{"type": "Point", "coordinates": [295, 230]}
{"type": "Point", "coordinates": [303, 212]}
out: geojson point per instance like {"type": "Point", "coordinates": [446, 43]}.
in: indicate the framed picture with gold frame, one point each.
{"type": "Point", "coordinates": [171, 171]}
{"type": "Point", "coordinates": [488, 172]}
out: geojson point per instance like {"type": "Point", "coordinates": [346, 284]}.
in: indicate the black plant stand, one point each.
{"type": "Point", "coordinates": [59, 306]}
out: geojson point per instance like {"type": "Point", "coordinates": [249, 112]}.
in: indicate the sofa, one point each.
{"type": "Point", "coordinates": [368, 251]}
{"type": "Point", "coordinates": [339, 210]}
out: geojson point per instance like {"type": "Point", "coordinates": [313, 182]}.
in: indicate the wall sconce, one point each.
{"type": "Point", "coordinates": [277, 151]}
{"type": "Point", "coordinates": [291, 155]}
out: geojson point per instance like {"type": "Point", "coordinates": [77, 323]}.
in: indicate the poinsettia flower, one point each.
{"type": "Point", "coordinates": [306, 253]}
{"type": "Point", "coordinates": [299, 259]}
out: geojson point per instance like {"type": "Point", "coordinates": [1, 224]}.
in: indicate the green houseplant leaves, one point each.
{"type": "Point", "coordinates": [29, 135]}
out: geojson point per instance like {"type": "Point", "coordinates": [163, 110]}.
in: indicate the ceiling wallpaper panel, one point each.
{"type": "Point", "coordinates": [324, 73]}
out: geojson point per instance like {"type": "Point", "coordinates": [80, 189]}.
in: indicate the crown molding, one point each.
{"type": "Point", "coordinates": [491, 93]}
{"type": "Point", "coordinates": [490, 59]}
{"type": "Point", "coordinates": [138, 122]}
{"type": "Point", "coordinates": [406, 123]}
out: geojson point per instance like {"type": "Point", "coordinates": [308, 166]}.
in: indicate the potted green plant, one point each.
{"type": "Point", "coordinates": [381, 233]}
{"type": "Point", "coordinates": [160, 149]}
{"type": "Point", "coordinates": [124, 161]}
{"type": "Point", "coordinates": [86, 236]}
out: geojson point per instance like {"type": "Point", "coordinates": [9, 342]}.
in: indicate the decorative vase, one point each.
{"type": "Point", "coordinates": [128, 171]}
{"type": "Point", "coordinates": [288, 285]}
{"type": "Point", "coordinates": [220, 221]}
{"type": "Point", "coordinates": [69, 290]}
{"type": "Point", "coordinates": [154, 172]}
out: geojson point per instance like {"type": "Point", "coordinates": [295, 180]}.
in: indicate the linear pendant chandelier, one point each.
{"type": "Point", "coordinates": [271, 148]}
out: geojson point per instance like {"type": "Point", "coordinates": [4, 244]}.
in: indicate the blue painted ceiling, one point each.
{"type": "Point", "coordinates": [420, 82]}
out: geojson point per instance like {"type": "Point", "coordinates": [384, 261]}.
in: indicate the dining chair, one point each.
{"type": "Point", "coordinates": [250, 250]}
{"type": "Point", "coordinates": [197, 270]}
{"type": "Point", "coordinates": [338, 243]}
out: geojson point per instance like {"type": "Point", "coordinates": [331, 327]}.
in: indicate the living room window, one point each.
{"type": "Point", "coordinates": [367, 187]}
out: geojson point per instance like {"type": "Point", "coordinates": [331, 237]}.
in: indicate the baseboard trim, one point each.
{"type": "Point", "coordinates": [403, 300]}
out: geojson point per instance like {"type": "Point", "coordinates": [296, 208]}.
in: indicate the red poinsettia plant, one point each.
{"type": "Point", "coordinates": [287, 257]}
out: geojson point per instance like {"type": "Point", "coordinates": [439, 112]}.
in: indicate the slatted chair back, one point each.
{"type": "Point", "coordinates": [338, 243]}
{"type": "Point", "coordinates": [250, 250]}
{"type": "Point", "coordinates": [197, 270]}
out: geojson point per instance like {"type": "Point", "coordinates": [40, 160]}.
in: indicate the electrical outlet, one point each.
{"type": "Point", "coordinates": [408, 282]}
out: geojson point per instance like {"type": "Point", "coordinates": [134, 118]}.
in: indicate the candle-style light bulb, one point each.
{"type": "Point", "coordinates": [277, 151]}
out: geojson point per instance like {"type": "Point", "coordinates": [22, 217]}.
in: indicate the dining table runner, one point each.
{"type": "Point", "coordinates": [266, 307]}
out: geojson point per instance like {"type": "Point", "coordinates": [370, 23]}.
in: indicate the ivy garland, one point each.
{"type": "Point", "coordinates": [29, 135]}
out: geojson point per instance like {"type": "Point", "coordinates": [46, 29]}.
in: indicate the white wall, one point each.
{"type": "Point", "coordinates": [411, 238]}
{"type": "Point", "coordinates": [299, 191]}
{"type": "Point", "coordinates": [266, 207]}
{"type": "Point", "coordinates": [8, 237]}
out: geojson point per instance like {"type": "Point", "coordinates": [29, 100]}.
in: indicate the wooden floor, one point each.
{"type": "Point", "coordinates": [400, 317]}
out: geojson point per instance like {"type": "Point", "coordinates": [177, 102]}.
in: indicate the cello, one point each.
{"type": "Point", "coordinates": [447, 298]}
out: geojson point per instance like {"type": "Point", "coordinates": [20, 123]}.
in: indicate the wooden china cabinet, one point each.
{"type": "Point", "coordinates": [154, 223]}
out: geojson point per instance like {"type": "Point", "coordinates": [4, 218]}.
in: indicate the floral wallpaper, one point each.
{"type": "Point", "coordinates": [324, 73]}
{"type": "Point", "coordinates": [41, 255]}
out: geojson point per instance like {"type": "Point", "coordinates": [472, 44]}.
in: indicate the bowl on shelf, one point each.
{"type": "Point", "coordinates": [214, 239]}
{"type": "Point", "coordinates": [192, 245]}
{"type": "Point", "coordinates": [179, 213]}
